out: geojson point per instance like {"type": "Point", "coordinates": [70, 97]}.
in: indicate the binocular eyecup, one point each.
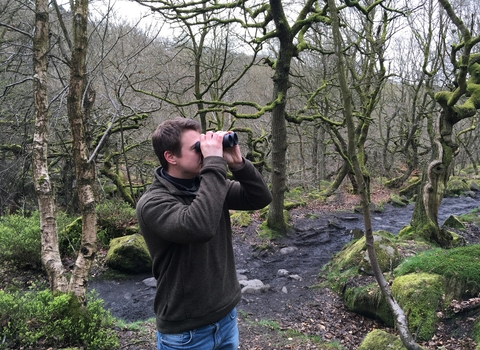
{"type": "Point", "coordinates": [229, 140]}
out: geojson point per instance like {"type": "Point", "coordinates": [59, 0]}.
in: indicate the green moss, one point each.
{"type": "Point", "coordinates": [368, 301]}
{"type": "Point", "coordinates": [355, 254]}
{"type": "Point", "coordinates": [456, 186]}
{"type": "Point", "coordinates": [421, 234]}
{"type": "Point", "coordinates": [421, 294]}
{"type": "Point", "coordinates": [454, 222]}
{"type": "Point", "coordinates": [458, 265]}
{"type": "Point", "coordinates": [240, 218]}
{"type": "Point", "coordinates": [397, 201]}
{"type": "Point", "coordinates": [298, 197]}
{"type": "Point", "coordinates": [476, 331]}
{"type": "Point", "coordinates": [129, 254]}
{"type": "Point", "coordinates": [354, 258]}
{"type": "Point", "coordinates": [471, 217]}
{"type": "Point", "coordinates": [265, 232]}
{"type": "Point", "coordinates": [410, 189]}
{"type": "Point", "coordinates": [381, 340]}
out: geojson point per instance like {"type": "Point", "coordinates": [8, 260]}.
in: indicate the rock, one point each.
{"type": "Point", "coordinates": [381, 340]}
{"type": "Point", "coordinates": [150, 282]}
{"type": "Point", "coordinates": [241, 277]}
{"type": "Point", "coordinates": [295, 277]}
{"type": "Point", "coordinates": [456, 186]}
{"type": "Point", "coordinates": [282, 273]}
{"type": "Point", "coordinates": [453, 222]}
{"type": "Point", "coordinates": [471, 194]}
{"type": "Point", "coordinates": [253, 286]}
{"type": "Point", "coordinates": [129, 254]}
{"type": "Point", "coordinates": [356, 233]}
{"type": "Point", "coordinates": [288, 250]}
{"type": "Point", "coordinates": [285, 290]}
{"type": "Point", "coordinates": [474, 187]}
{"type": "Point", "coordinates": [397, 201]}
{"type": "Point", "coordinates": [421, 294]}
{"type": "Point", "coordinates": [355, 253]}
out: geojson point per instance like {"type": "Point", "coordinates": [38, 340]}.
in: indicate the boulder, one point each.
{"type": "Point", "coordinates": [356, 255]}
{"type": "Point", "coordinates": [129, 254]}
{"type": "Point", "coordinates": [454, 222]}
{"type": "Point", "coordinates": [381, 340]}
{"type": "Point", "coordinates": [456, 186]}
{"type": "Point", "coordinates": [421, 294]}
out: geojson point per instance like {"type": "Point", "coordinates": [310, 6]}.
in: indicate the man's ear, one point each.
{"type": "Point", "coordinates": [170, 157]}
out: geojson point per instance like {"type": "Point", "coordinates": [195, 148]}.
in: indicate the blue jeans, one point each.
{"type": "Point", "coordinates": [221, 335]}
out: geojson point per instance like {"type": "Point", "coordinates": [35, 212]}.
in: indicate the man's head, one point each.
{"type": "Point", "coordinates": [167, 139]}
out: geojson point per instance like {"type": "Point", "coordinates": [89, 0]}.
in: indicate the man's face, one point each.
{"type": "Point", "coordinates": [189, 162]}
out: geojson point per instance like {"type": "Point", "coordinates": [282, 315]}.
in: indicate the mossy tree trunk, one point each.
{"type": "Point", "coordinates": [459, 104]}
{"type": "Point", "coordinates": [434, 181]}
{"type": "Point", "coordinates": [281, 81]}
{"type": "Point", "coordinates": [356, 159]}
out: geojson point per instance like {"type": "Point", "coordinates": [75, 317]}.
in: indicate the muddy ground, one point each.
{"type": "Point", "coordinates": [294, 313]}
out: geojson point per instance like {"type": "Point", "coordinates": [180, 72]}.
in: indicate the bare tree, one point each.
{"type": "Point", "coordinates": [43, 186]}
{"type": "Point", "coordinates": [357, 162]}
{"type": "Point", "coordinates": [413, 95]}
{"type": "Point", "coordinates": [81, 97]}
{"type": "Point", "coordinates": [459, 104]}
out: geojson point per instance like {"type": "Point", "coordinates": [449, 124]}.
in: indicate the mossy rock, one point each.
{"type": "Point", "coordinates": [426, 233]}
{"type": "Point", "coordinates": [397, 201]}
{"type": "Point", "coordinates": [368, 301]}
{"type": "Point", "coordinates": [421, 294]}
{"type": "Point", "coordinates": [289, 205]}
{"type": "Point", "coordinates": [355, 254]}
{"type": "Point", "coordinates": [474, 186]}
{"type": "Point", "coordinates": [129, 254]}
{"type": "Point", "coordinates": [454, 222]}
{"type": "Point", "coordinates": [456, 186]}
{"type": "Point", "coordinates": [381, 340]}
{"type": "Point", "coordinates": [459, 267]}
{"type": "Point", "coordinates": [410, 190]}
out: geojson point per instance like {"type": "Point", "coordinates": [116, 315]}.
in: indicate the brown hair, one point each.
{"type": "Point", "coordinates": [168, 136]}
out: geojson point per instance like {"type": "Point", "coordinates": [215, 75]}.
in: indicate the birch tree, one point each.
{"type": "Point", "coordinates": [43, 187]}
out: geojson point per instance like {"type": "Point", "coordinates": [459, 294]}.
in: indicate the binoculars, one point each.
{"type": "Point", "coordinates": [229, 140]}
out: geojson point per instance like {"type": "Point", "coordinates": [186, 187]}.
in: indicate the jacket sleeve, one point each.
{"type": "Point", "coordinates": [249, 191]}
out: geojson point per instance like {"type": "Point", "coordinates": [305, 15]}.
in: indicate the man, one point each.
{"type": "Point", "coordinates": [184, 218]}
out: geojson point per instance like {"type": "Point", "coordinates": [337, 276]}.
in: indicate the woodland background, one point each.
{"type": "Point", "coordinates": [396, 57]}
{"type": "Point", "coordinates": [322, 95]}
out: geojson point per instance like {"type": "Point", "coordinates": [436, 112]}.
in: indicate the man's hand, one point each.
{"type": "Point", "coordinates": [211, 144]}
{"type": "Point", "coordinates": [233, 156]}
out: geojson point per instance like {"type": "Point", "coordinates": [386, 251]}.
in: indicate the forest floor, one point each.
{"type": "Point", "coordinates": [296, 312]}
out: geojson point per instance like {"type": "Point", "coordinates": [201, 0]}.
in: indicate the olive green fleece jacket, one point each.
{"type": "Point", "coordinates": [189, 238]}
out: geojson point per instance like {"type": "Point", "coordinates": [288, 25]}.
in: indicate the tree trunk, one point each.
{"type": "Point", "coordinates": [432, 190]}
{"type": "Point", "coordinates": [461, 103]}
{"type": "Point", "coordinates": [46, 202]}
{"type": "Point", "coordinates": [276, 220]}
{"type": "Point", "coordinates": [281, 81]}
{"type": "Point", "coordinates": [341, 174]}
{"type": "Point", "coordinates": [356, 158]}
{"type": "Point", "coordinates": [78, 109]}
